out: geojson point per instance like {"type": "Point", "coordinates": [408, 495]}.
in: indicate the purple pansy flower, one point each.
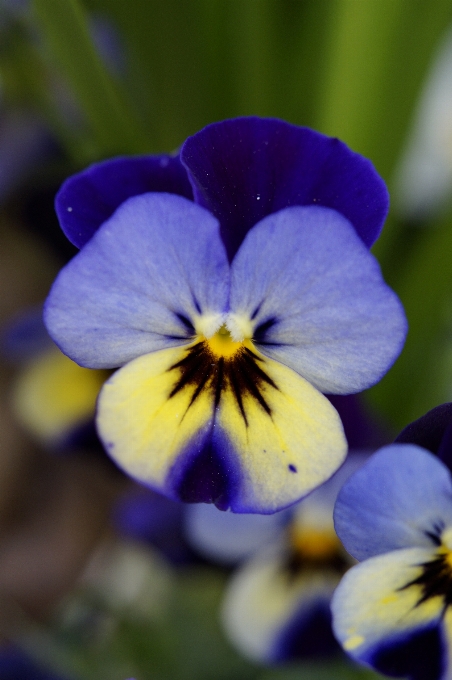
{"type": "Point", "coordinates": [393, 610]}
{"type": "Point", "coordinates": [233, 286]}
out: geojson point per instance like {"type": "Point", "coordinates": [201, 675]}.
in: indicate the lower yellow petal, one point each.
{"type": "Point", "coordinates": [194, 426]}
{"type": "Point", "coordinates": [374, 604]}
{"type": "Point", "coordinates": [287, 452]}
{"type": "Point", "coordinates": [145, 429]}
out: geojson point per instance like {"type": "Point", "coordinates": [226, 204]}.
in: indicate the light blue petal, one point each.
{"type": "Point", "coordinates": [316, 299]}
{"type": "Point", "coordinates": [228, 537]}
{"type": "Point", "coordinates": [401, 498]}
{"type": "Point", "coordinates": [150, 270]}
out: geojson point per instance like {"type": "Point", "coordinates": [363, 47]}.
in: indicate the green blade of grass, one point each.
{"type": "Point", "coordinates": [113, 122]}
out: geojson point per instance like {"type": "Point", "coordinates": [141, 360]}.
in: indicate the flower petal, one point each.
{"type": "Point", "coordinates": [156, 264]}
{"type": "Point", "coordinates": [316, 299]}
{"type": "Point", "coordinates": [144, 429]}
{"type": "Point", "coordinates": [247, 168]}
{"type": "Point", "coordinates": [263, 605]}
{"type": "Point", "coordinates": [433, 431]}
{"type": "Point", "coordinates": [380, 622]}
{"type": "Point", "coordinates": [204, 443]}
{"type": "Point", "coordinates": [53, 396]}
{"type": "Point", "coordinates": [402, 497]}
{"type": "Point", "coordinates": [227, 537]}
{"type": "Point", "coordinates": [90, 197]}
{"type": "Point", "coordinates": [428, 430]}
{"type": "Point", "coordinates": [286, 451]}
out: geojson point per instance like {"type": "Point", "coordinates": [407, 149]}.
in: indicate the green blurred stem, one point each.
{"type": "Point", "coordinates": [114, 123]}
{"type": "Point", "coordinates": [414, 385]}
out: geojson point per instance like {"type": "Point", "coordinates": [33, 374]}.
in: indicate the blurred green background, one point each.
{"type": "Point", "coordinates": [109, 77]}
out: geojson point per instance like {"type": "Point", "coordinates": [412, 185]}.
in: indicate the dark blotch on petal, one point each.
{"type": "Point", "coordinates": [420, 656]}
{"type": "Point", "coordinates": [307, 636]}
{"type": "Point", "coordinates": [205, 473]}
{"type": "Point", "coordinates": [201, 370]}
{"type": "Point", "coordinates": [261, 330]}
{"type": "Point", "coordinates": [435, 580]}
{"type": "Point", "coordinates": [90, 197]}
{"type": "Point", "coordinates": [247, 168]}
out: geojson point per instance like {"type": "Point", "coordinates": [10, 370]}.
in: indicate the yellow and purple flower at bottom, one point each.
{"type": "Point", "coordinates": [276, 606]}
{"type": "Point", "coordinates": [393, 610]}
{"type": "Point", "coordinates": [231, 295]}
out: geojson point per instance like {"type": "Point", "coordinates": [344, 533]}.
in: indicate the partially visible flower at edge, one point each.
{"type": "Point", "coordinates": [432, 431]}
{"type": "Point", "coordinates": [52, 397]}
{"type": "Point", "coordinates": [228, 330]}
{"type": "Point", "coordinates": [392, 611]}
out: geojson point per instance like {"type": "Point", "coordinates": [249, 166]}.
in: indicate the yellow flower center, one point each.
{"type": "Point", "coordinates": [221, 344]}
{"type": "Point", "coordinates": [446, 555]}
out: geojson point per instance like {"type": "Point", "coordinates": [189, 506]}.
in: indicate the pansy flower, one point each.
{"type": "Point", "coordinates": [393, 610]}
{"type": "Point", "coordinates": [228, 314]}
{"type": "Point", "coordinates": [277, 603]}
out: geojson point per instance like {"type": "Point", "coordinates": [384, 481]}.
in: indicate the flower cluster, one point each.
{"type": "Point", "coordinates": [232, 284]}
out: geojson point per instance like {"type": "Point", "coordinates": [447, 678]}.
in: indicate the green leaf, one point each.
{"type": "Point", "coordinates": [416, 382]}
{"type": "Point", "coordinates": [113, 122]}
{"type": "Point", "coordinates": [378, 54]}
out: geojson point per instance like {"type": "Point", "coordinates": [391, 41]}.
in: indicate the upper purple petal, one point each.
{"type": "Point", "coordinates": [89, 198]}
{"type": "Point", "coordinates": [247, 168]}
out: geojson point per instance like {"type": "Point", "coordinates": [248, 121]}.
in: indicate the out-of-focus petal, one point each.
{"type": "Point", "coordinates": [15, 664]}
{"type": "Point", "coordinates": [53, 396]}
{"type": "Point", "coordinates": [25, 336]}
{"type": "Point", "coordinates": [400, 498]}
{"type": "Point", "coordinates": [316, 299]}
{"type": "Point", "coordinates": [256, 451]}
{"type": "Point", "coordinates": [381, 622]}
{"type": "Point", "coordinates": [263, 603]}
{"type": "Point", "coordinates": [247, 168]}
{"type": "Point", "coordinates": [228, 537]}
{"type": "Point", "coordinates": [152, 268]}
{"type": "Point", "coordinates": [90, 197]}
{"type": "Point", "coordinates": [428, 430]}
{"type": "Point", "coordinates": [424, 177]}
{"type": "Point", "coordinates": [316, 510]}
{"type": "Point", "coordinates": [433, 431]}
{"type": "Point", "coordinates": [143, 515]}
